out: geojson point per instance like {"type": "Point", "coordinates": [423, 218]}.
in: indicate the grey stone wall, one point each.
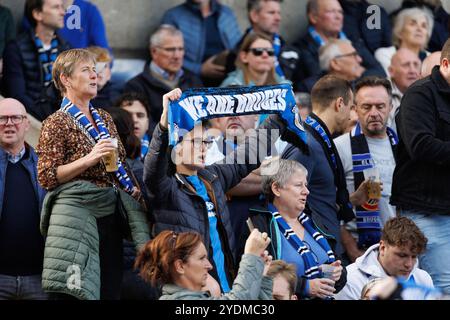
{"type": "Point", "coordinates": [129, 23]}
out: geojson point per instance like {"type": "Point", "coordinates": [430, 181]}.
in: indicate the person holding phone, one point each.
{"type": "Point", "coordinates": [179, 262]}
{"type": "Point", "coordinates": [80, 216]}
{"type": "Point", "coordinates": [296, 238]}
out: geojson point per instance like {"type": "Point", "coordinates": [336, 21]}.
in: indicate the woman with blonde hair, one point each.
{"type": "Point", "coordinates": [83, 216]}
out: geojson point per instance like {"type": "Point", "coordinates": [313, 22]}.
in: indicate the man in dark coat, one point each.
{"type": "Point", "coordinates": [164, 72]}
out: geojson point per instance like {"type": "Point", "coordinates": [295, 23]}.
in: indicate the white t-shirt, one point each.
{"type": "Point", "coordinates": [383, 157]}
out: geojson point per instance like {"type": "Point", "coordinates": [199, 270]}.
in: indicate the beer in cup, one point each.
{"type": "Point", "coordinates": [374, 185]}
{"type": "Point", "coordinates": [110, 160]}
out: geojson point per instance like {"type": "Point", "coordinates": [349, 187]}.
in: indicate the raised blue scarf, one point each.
{"type": "Point", "coordinates": [196, 105]}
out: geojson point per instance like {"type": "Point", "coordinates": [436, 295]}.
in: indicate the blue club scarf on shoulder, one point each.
{"type": "Point", "coordinates": [277, 48]}
{"type": "Point", "coordinates": [94, 136]}
{"type": "Point", "coordinates": [196, 105]}
{"type": "Point", "coordinates": [47, 57]}
{"type": "Point", "coordinates": [312, 270]}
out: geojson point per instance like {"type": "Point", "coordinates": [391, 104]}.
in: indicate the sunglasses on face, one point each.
{"type": "Point", "coordinates": [259, 51]}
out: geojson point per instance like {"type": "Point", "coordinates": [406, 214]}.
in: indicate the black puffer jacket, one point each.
{"type": "Point", "coordinates": [422, 173]}
{"type": "Point", "coordinates": [24, 78]}
{"type": "Point", "coordinates": [177, 206]}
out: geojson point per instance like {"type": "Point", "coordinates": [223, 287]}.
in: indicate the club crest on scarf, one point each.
{"type": "Point", "coordinates": [196, 105]}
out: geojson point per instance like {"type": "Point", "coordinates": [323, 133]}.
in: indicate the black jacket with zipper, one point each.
{"type": "Point", "coordinates": [422, 173]}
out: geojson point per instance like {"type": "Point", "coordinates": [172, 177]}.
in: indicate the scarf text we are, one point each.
{"type": "Point", "coordinates": [196, 105]}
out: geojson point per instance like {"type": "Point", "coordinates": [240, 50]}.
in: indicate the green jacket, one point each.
{"type": "Point", "coordinates": [68, 221]}
{"type": "Point", "coordinates": [248, 285]}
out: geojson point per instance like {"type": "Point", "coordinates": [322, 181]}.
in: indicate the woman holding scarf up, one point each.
{"type": "Point", "coordinates": [295, 237]}
{"type": "Point", "coordinates": [81, 262]}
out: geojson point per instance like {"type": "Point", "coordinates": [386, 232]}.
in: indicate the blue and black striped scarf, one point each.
{"type": "Point", "coordinates": [94, 136]}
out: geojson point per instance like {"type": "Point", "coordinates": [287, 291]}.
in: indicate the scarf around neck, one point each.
{"type": "Point", "coordinates": [95, 136]}
{"type": "Point", "coordinates": [320, 131]}
{"type": "Point", "coordinates": [312, 269]}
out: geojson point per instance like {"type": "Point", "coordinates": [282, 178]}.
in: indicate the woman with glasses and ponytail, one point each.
{"type": "Point", "coordinates": [296, 238]}
{"type": "Point", "coordinates": [255, 63]}
{"type": "Point", "coordinates": [179, 263]}
{"type": "Point", "coordinates": [92, 203]}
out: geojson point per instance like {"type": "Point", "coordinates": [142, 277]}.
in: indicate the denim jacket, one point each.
{"type": "Point", "coordinates": [187, 18]}
{"type": "Point", "coordinates": [30, 164]}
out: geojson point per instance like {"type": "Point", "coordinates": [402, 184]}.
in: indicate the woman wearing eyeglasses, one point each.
{"type": "Point", "coordinates": [179, 262]}
{"type": "Point", "coordinates": [296, 238]}
{"type": "Point", "coordinates": [190, 196]}
{"type": "Point", "coordinates": [255, 63]}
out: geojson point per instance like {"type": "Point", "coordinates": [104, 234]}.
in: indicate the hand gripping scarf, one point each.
{"type": "Point", "coordinates": [196, 105]}
{"type": "Point", "coordinates": [89, 130]}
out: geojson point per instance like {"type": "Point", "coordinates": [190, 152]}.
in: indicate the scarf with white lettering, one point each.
{"type": "Point", "coordinates": [94, 136]}
{"type": "Point", "coordinates": [312, 269]}
{"type": "Point", "coordinates": [196, 105]}
{"type": "Point", "coordinates": [368, 220]}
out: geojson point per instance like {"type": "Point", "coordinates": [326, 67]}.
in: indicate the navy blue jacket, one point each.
{"type": "Point", "coordinates": [24, 79]}
{"type": "Point", "coordinates": [30, 164]}
{"type": "Point", "coordinates": [188, 19]}
{"type": "Point", "coordinates": [309, 51]}
{"type": "Point", "coordinates": [355, 25]}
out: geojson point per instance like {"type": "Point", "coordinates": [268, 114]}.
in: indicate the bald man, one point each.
{"type": "Point", "coordinates": [428, 64]}
{"type": "Point", "coordinates": [404, 71]}
{"type": "Point", "coordinates": [21, 243]}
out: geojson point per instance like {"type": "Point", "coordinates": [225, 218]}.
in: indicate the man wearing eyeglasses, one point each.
{"type": "Point", "coordinates": [337, 57]}
{"type": "Point", "coordinates": [326, 19]}
{"type": "Point", "coordinates": [165, 72]}
{"type": "Point", "coordinates": [21, 244]}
